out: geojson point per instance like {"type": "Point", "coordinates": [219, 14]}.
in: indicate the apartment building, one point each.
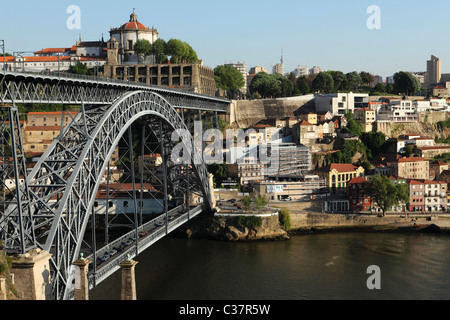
{"type": "Point", "coordinates": [366, 117]}
{"type": "Point", "coordinates": [340, 103]}
{"type": "Point", "coordinates": [292, 188]}
{"type": "Point", "coordinates": [357, 196]}
{"type": "Point", "coordinates": [411, 168]}
{"type": "Point", "coordinates": [398, 111]}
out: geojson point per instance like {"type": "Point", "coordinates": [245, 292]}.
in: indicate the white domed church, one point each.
{"type": "Point", "coordinates": [127, 36]}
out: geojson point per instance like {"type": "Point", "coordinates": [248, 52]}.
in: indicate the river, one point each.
{"type": "Point", "coordinates": [324, 266]}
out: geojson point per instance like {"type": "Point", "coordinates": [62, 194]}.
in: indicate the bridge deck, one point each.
{"type": "Point", "coordinates": [149, 233]}
{"type": "Point", "coordinates": [20, 87]}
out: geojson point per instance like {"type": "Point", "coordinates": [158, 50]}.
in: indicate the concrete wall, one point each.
{"type": "Point", "coordinates": [246, 113]}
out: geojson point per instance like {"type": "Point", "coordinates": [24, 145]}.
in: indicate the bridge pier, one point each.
{"type": "Point", "coordinates": [81, 281]}
{"type": "Point", "coordinates": [128, 280]}
{"type": "Point", "coordinates": [32, 274]}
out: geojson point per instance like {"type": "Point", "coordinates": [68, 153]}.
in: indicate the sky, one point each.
{"type": "Point", "coordinates": [333, 35]}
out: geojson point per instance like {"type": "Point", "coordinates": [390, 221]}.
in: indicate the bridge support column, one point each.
{"type": "Point", "coordinates": [32, 274]}
{"type": "Point", "coordinates": [81, 281]}
{"type": "Point", "coordinates": [128, 280]}
{"type": "Point", "coordinates": [2, 289]}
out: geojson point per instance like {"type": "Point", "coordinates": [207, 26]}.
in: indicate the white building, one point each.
{"type": "Point", "coordinates": [315, 70]}
{"type": "Point", "coordinates": [301, 71]}
{"type": "Point", "coordinates": [49, 63]}
{"type": "Point", "coordinates": [422, 105]}
{"type": "Point", "coordinates": [340, 103]}
{"type": "Point", "coordinates": [242, 68]}
{"type": "Point", "coordinates": [398, 111]}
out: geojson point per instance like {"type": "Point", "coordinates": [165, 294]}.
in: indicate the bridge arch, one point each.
{"type": "Point", "coordinates": [71, 170]}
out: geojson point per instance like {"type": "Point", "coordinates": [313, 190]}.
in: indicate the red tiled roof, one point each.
{"type": "Point", "coordinates": [343, 167]}
{"type": "Point", "coordinates": [358, 180]}
{"type": "Point", "coordinates": [52, 50]}
{"type": "Point", "coordinates": [305, 123]}
{"type": "Point", "coordinates": [412, 159]}
{"type": "Point", "coordinates": [43, 128]}
{"type": "Point", "coordinates": [364, 109]}
{"type": "Point", "coordinates": [50, 113]}
{"type": "Point", "coordinates": [412, 181]}
{"type": "Point", "coordinates": [134, 25]}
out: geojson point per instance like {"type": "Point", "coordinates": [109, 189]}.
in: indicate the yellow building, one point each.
{"type": "Point", "coordinates": [338, 175]}
{"type": "Point", "coordinates": [310, 117]}
{"type": "Point", "coordinates": [366, 117]}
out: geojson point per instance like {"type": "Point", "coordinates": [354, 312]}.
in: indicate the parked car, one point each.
{"type": "Point", "coordinates": [112, 252]}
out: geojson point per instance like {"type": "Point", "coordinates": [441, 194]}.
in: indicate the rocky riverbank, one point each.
{"type": "Point", "coordinates": [228, 228]}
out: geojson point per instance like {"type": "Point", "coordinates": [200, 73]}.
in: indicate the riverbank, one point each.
{"type": "Point", "coordinates": [227, 228]}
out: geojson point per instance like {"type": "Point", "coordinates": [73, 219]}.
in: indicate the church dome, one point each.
{"type": "Point", "coordinates": [134, 25]}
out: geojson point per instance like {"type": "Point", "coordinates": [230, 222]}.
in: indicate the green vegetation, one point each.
{"type": "Point", "coordinates": [348, 152]}
{"type": "Point", "coordinates": [385, 193]}
{"type": "Point", "coordinates": [261, 202]}
{"type": "Point", "coordinates": [246, 202]}
{"type": "Point", "coordinates": [284, 217]}
{"type": "Point", "coordinates": [219, 171]}
{"type": "Point", "coordinates": [229, 79]}
{"type": "Point", "coordinates": [251, 222]}
{"type": "Point", "coordinates": [375, 142]}
{"type": "Point", "coordinates": [79, 68]}
{"type": "Point", "coordinates": [405, 83]}
{"type": "Point", "coordinates": [443, 124]}
{"type": "Point", "coordinates": [352, 126]}
{"type": "Point", "coordinates": [143, 48]}
{"type": "Point", "coordinates": [265, 85]}
{"type": "Point", "coordinates": [445, 157]}
{"type": "Point", "coordinates": [179, 51]}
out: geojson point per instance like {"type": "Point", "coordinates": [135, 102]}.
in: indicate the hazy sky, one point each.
{"type": "Point", "coordinates": [330, 34]}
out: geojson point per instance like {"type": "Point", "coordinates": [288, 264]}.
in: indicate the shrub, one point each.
{"type": "Point", "coordinates": [284, 216]}
{"type": "Point", "coordinates": [251, 222]}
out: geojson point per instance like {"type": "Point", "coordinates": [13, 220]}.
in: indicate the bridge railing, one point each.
{"type": "Point", "coordinates": [99, 79]}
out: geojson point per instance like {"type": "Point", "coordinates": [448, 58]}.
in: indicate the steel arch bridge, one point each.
{"type": "Point", "coordinates": [52, 208]}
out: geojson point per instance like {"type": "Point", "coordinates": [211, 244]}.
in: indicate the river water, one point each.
{"type": "Point", "coordinates": [325, 266]}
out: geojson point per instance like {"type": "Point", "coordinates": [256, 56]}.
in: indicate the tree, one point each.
{"type": "Point", "coordinates": [352, 80]}
{"type": "Point", "coordinates": [379, 87]}
{"type": "Point", "coordinates": [323, 83]}
{"type": "Point", "coordinates": [406, 83]}
{"type": "Point", "coordinates": [366, 78]}
{"type": "Point", "coordinates": [286, 86]}
{"type": "Point", "coordinates": [265, 85]}
{"type": "Point", "coordinates": [159, 50]}
{"type": "Point", "coordinates": [180, 52]}
{"type": "Point", "coordinates": [79, 68]}
{"type": "Point", "coordinates": [261, 201]}
{"type": "Point", "coordinates": [303, 85]}
{"type": "Point", "coordinates": [228, 78]}
{"type": "Point", "coordinates": [375, 141]}
{"type": "Point", "coordinates": [384, 193]}
{"type": "Point", "coordinates": [339, 80]}
{"type": "Point", "coordinates": [143, 48]}
{"type": "Point", "coordinates": [246, 202]}
{"type": "Point", "coordinates": [352, 126]}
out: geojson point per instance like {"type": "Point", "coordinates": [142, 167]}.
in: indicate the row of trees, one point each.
{"type": "Point", "coordinates": [179, 51]}
{"type": "Point", "coordinates": [275, 85]}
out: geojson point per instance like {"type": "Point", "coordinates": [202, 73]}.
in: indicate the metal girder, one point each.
{"type": "Point", "coordinates": [71, 89]}
{"type": "Point", "coordinates": [63, 184]}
